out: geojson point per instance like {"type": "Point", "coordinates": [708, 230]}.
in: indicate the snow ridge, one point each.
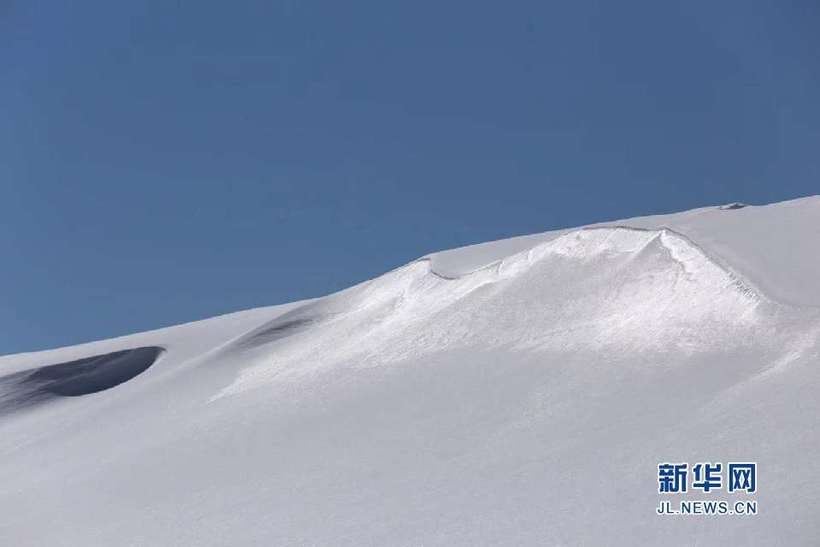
{"type": "Point", "coordinates": [619, 237]}
{"type": "Point", "coordinates": [610, 287]}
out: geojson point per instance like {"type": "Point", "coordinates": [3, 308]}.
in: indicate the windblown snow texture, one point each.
{"type": "Point", "coordinates": [514, 392]}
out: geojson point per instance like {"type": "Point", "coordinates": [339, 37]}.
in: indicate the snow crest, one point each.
{"type": "Point", "coordinates": [591, 290]}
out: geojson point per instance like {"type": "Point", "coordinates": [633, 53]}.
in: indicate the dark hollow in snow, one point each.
{"type": "Point", "coordinates": [74, 378]}
{"type": "Point", "coordinates": [290, 323]}
{"type": "Point", "coordinates": [93, 374]}
{"type": "Point", "coordinates": [732, 206]}
{"type": "Point", "coordinates": [277, 330]}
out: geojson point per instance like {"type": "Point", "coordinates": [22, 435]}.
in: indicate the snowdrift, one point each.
{"type": "Point", "coordinates": [515, 392]}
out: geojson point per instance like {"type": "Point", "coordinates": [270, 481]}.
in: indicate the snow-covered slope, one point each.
{"type": "Point", "coordinates": [514, 392]}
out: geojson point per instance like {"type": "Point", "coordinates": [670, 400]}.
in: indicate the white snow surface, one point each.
{"type": "Point", "coordinates": [518, 392]}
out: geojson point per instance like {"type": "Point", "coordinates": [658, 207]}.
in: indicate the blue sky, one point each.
{"type": "Point", "coordinates": [170, 161]}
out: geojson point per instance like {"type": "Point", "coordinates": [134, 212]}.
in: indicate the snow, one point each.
{"type": "Point", "coordinates": [774, 245]}
{"type": "Point", "coordinates": [514, 392]}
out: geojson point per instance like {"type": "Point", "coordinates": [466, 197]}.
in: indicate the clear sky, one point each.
{"type": "Point", "coordinates": [169, 161]}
